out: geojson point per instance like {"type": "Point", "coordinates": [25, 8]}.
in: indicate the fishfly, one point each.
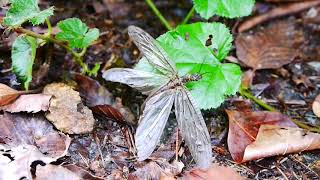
{"type": "Point", "coordinates": [164, 90]}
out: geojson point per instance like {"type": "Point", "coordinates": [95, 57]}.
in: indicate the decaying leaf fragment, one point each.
{"type": "Point", "coordinates": [65, 172]}
{"type": "Point", "coordinates": [274, 140]}
{"type": "Point", "coordinates": [29, 103]}
{"type": "Point", "coordinates": [7, 94]}
{"type": "Point", "coordinates": [23, 129]}
{"type": "Point", "coordinates": [214, 172]}
{"type": "Point", "coordinates": [269, 48]}
{"type": "Point", "coordinates": [15, 163]}
{"type": "Point", "coordinates": [66, 110]}
{"type": "Point", "coordinates": [254, 135]}
{"type": "Point", "coordinates": [101, 101]}
{"type": "Point", "coordinates": [316, 106]}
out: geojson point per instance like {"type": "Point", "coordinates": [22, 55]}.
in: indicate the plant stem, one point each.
{"type": "Point", "coordinates": [49, 27]}
{"type": "Point", "coordinates": [248, 95]}
{"type": "Point", "coordinates": [158, 14]}
{"type": "Point", "coordinates": [189, 15]}
{"type": "Point", "coordinates": [76, 55]}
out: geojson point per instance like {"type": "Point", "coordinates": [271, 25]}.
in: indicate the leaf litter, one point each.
{"type": "Point", "coordinates": [66, 111]}
{"type": "Point", "coordinates": [263, 169]}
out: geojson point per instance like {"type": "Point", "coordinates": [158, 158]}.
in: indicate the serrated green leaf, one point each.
{"type": "Point", "coordinates": [217, 82]}
{"type": "Point", "coordinates": [186, 47]}
{"type": "Point", "coordinates": [225, 8]}
{"type": "Point", "coordinates": [23, 54]}
{"type": "Point", "coordinates": [76, 33]}
{"type": "Point", "coordinates": [25, 10]}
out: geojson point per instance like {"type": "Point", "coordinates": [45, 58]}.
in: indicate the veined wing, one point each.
{"type": "Point", "coordinates": [193, 128]}
{"type": "Point", "coordinates": [152, 122]}
{"type": "Point", "coordinates": [150, 48]}
{"type": "Point", "coordinates": [146, 82]}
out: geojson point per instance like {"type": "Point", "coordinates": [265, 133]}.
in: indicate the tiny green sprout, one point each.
{"type": "Point", "coordinates": [74, 36]}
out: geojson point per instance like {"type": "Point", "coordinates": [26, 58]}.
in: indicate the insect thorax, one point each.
{"type": "Point", "coordinates": [191, 77]}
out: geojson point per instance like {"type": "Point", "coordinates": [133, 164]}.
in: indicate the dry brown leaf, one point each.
{"type": "Point", "coordinates": [15, 163]}
{"type": "Point", "coordinates": [101, 101]}
{"type": "Point", "coordinates": [65, 172]}
{"type": "Point", "coordinates": [316, 106]}
{"type": "Point", "coordinates": [244, 127]}
{"type": "Point", "coordinates": [153, 170]}
{"type": "Point", "coordinates": [269, 48]}
{"type": "Point", "coordinates": [22, 129]}
{"type": "Point", "coordinates": [255, 135]}
{"type": "Point", "coordinates": [66, 110]}
{"type": "Point", "coordinates": [214, 172]}
{"type": "Point", "coordinates": [7, 94]}
{"type": "Point", "coordinates": [29, 103]}
{"type": "Point", "coordinates": [274, 140]}
{"type": "Point", "coordinates": [247, 78]}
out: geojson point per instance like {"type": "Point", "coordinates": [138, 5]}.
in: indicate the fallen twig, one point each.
{"type": "Point", "coordinates": [277, 12]}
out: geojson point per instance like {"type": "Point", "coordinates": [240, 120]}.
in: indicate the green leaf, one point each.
{"type": "Point", "coordinates": [186, 47]}
{"type": "Point", "coordinates": [23, 54]}
{"type": "Point", "coordinates": [225, 8]}
{"type": "Point", "coordinates": [76, 33]}
{"type": "Point", "coordinates": [25, 10]}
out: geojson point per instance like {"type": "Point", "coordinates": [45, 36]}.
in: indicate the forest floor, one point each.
{"type": "Point", "coordinates": [291, 87]}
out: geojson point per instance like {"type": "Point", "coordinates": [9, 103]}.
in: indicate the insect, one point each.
{"type": "Point", "coordinates": [164, 90]}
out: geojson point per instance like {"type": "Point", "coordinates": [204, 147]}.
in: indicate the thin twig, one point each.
{"type": "Point", "coordinates": [55, 41]}
{"type": "Point", "coordinates": [189, 15]}
{"type": "Point", "coordinates": [158, 14]}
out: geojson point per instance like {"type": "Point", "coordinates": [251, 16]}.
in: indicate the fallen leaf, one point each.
{"type": "Point", "coordinates": [214, 172]}
{"type": "Point", "coordinates": [304, 80]}
{"type": "Point", "coordinates": [269, 48]}
{"type": "Point", "coordinates": [16, 163]}
{"type": "Point", "coordinates": [275, 140]}
{"type": "Point", "coordinates": [65, 172]}
{"type": "Point", "coordinates": [247, 78]}
{"type": "Point", "coordinates": [23, 129]}
{"type": "Point", "coordinates": [66, 110]}
{"type": "Point", "coordinates": [7, 94]}
{"type": "Point", "coordinates": [52, 172]}
{"type": "Point", "coordinates": [29, 103]}
{"type": "Point", "coordinates": [101, 101]}
{"type": "Point", "coordinates": [244, 127]}
{"type": "Point", "coordinates": [316, 106]}
{"type": "Point", "coordinates": [153, 170]}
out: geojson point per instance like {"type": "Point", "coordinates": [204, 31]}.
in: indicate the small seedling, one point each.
{"type": "Point", "coordinates": [74, 36]}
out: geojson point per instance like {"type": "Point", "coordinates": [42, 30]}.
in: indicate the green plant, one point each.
{"type": "Point", "coordinates": [201, 48]}
{"type": "Point", "coordinates": [74, 37]}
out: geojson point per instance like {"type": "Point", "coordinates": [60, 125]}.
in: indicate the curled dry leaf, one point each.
{"type": "Point", "coordinates": [66, 110]}
{"type": "Point", "coordinates": [316, 106]}
{"type": "Point", "coordinates": [101, 101]}
{"type": "Point", "coordinates": [214, 172]}
{"type": "Point", "coordinates": [8, 95]}
{"type": "Point", "coordinates": [15, 163]}
{"type": "Point", "coordinates": [29, 103]}
{"type": "Point", "coordinates": [250, 136]}
{"type": "Point", "coordinates": [22, 129]}
{"type": "Point", "coordinates": [275, 140]}
{"type": "Point", "coordinates": [244, 127]}
{"type": "Point", "coordinates": [269, 48]}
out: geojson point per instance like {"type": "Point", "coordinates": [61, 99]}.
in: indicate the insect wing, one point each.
{"type": "Point", "coordinates": [146, 82]}
{"type": "Point", "coordinates": [150, 48]}
{"type": "Point", "coordinates": [152, 122]}
{"type": "Point", "coordinates": [193, 128]}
